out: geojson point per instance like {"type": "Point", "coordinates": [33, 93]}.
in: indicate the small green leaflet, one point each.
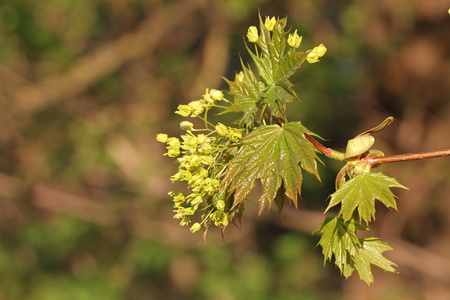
{"type": "Point", "coordinates": [272, 154]}
{"type": "Point", "coordinates": [339, 240]}
{"type": "Point", "coordinates": [360, 193]}
{"type": "Point", "coordinates": [246, 90]}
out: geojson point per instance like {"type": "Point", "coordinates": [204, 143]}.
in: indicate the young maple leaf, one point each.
{"type": "Point", "coordinates": [350, 253]}
{"type": "Point", "coordinates": [371, 252]}
{"type": "Point", "coordinates": [360, 193]}
{"type": "Point", "coordinates": [339, 239]}
{"type": "Point", "coordinates": [272, 154]}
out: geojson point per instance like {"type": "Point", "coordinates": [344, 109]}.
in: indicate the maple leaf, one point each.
{"type": "Point", "coordinates": [339, 240]}
{"type": "Point", "coordinates": [350, 253]}
{"type": "Point", "coordinates": [272, 154]}
{"type": "Point", "coordinates": [360, 193]}
{"type": "Point", "coordinates": [371, 252]}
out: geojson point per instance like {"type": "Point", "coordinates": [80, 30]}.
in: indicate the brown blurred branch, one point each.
{"type": "Point", "coordinates": [62, 202]}
{"type": "Point", "coordinates": [103, 60]}
{"type": "Point", "coordinates": [416, 258]}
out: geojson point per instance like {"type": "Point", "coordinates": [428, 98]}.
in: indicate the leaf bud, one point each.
{"type": "Point", "coordinates": [358, 145]}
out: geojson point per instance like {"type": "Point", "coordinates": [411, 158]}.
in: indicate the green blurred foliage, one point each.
{"type": "Point", "coordinates": [83, 207]}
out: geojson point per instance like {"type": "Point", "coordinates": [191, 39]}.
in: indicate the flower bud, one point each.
{"type": "Point", "coordinates": [162, 137]}
{"type": "Point", "coordinates": [252, 34]}
{"type": "Point", "coordinates": [240, 77]}
{"type": "Point", "coordinates": [221, 129]}
{"type": "Point", "coordinates": [294, 40]}
{"type": "Point", "coordinates": [269, 23]}
{"type": "Point", "coordinates": [195, 227]}
{"type": "Point", "coordinates": [316, 53]}
{"type": "Point", "coordinates": [186, 126]}
{"type": "Point", "coordinates": [172, 152]}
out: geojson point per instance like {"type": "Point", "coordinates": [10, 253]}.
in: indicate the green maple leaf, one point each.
{"type": "Point", "coordinates": [360, 193]}
{"type": "Point", "coordinates": [272, 154]}
{"type": "Point", "coordinates": [339, 240]}
{"type": "Point", "coordinates": [371, 252]}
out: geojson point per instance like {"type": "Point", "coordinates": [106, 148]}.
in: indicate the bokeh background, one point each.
{"type": "Point", "coordinates": [85, 86]}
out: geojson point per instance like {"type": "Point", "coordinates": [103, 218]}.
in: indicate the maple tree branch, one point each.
{"type": "Point", "coordinates": [375, 160]}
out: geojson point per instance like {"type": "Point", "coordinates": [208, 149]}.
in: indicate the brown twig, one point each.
{"type": "Point", "coordinates": [376, 160]}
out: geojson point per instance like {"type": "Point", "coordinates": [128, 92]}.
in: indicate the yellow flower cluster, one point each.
{"type": "Point", "coordinates": [197, 107]}
{"type": "Point", "coordinates": [202, 159]}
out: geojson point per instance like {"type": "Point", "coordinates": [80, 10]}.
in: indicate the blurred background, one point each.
{"type": "Point", "coordinates": [85, 86]}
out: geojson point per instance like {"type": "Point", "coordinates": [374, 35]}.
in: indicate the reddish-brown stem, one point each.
{"type": "Point", "coordinates": [327, 151]}
{"type": "Point", "coordinates": [376, 160]}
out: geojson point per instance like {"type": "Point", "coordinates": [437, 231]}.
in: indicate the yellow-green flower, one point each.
{"type": "Point", "coordinates": [221, 129]}
{"type": "Point", "coordinates": [195, 227]}
{"type": "Point", "coordinates": [269, 23]}
{"type": "Point", "coordinates": [196, 199]}
{"type": "Point", "coordinates": [294, 40]}
{"type": "Point", "coordinates": [316, 53]}
{"type": "Point", "coordinates": [184, 110]}
{"type": "Point", "coordinates": [162, 137]}
{"type": "Point", "coordinates": [189, 141]}
{"type": "Point", "coordinates": [216, 95]}
{"type": "Point", "coordinates": [173, 147]}
{"type": "Point", "coordinates": [206, 148]}
{"type": "Point", "coordinates": [197, 108]}
{"type": "Point", "coordinates": [252, 34]}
